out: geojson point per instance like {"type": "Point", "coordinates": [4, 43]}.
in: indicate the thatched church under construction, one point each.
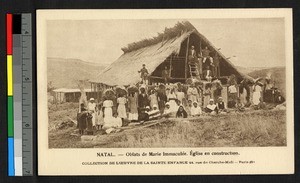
{"type": "Point", "coordinates": [170, 49]}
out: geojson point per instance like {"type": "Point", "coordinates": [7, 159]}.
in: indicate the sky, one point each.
{"type": "Point", "coordinates": [249, 42]}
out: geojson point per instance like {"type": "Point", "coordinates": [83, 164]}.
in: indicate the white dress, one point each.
{"type": "Point", "coordinates": [180, 96]}
{"type": "Point", "coordinates": [91, 108]}
{"type": "Point", "coordinates": [121, 107]}
{"type": "Point", "coordinates": [172, 102]}
{"type": "Point", "coordinates": [256, 94]}
{"type": "Point", "coordinates": [195, 111]}
{"type": "Point", "coordinates": [107, 104]}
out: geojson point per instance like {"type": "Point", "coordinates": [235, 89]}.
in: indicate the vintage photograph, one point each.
{"type": "Point", "coordinates": [166, 83]}
{"type": "Point", "coordinates": [165, 92]}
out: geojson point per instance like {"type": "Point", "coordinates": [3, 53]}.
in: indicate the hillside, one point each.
{"type": "Point", "coordinates": [64, 73]}
{"type": "Point", "coordinates": [277, 75]}
{"type": "Point", "coordinates": [247, 70]}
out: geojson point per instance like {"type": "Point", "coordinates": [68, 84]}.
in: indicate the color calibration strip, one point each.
{"type": "Point", "coordinates": [19, 92]}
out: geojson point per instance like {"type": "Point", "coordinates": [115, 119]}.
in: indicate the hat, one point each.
{"type": "Point", "coordinates": [211, 100]}
{"type": "Point", "coordinates": [92, 99]}
{"type": "Point", "coordinates": [220, 98]}
{"type": "Point", "coordinates": [147, 107]}
{"type": "Point", "coordinates": [167, 104]}
{"type": "Point", "coordinates": [195, 102]}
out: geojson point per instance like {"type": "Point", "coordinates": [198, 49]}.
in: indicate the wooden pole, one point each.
{"type": "Point", "coordinates": [200, 60]}
{"type": "Point", "coordinates": [170, 65]}
{"type": "Point", "coordinates": [186, 57]}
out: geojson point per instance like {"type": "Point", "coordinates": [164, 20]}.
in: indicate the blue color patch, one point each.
{"type": "Point", "coordinates": [11, 157]}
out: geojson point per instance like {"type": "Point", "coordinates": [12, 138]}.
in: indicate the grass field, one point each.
{"type": "Point", "coordinates": [249, 129]}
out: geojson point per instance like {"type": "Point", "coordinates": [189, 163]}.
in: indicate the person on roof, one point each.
{"type": "Point", "coordinates": [192, 56]}
{"type": "Point", "coordinates": [144, 74]}
{"type": "Point", "coordinates": [207, 74]}
{"type": "Point", "coordinates": [166, 75]}
{"type": "Point", "coordinates": [206, 55]}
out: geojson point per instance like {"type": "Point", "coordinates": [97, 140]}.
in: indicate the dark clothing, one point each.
{"type": "Point", "coordinates": [143, 72]}
{"type": "Point", "coordinates": [81, 120]}
{"type": "Point", "coordinates": [279, 99]}
{"type": "Point", "coordinates": [143, 101]}
{"type": "Point", "coordinates": [221, 105]}
{"type": "Point", "coordinates": [192, 55]}
{"type": "Point", "coordinates": [205, 52]}
{"type": "Point", "coordinates": [165, 75]}
{"type": "Point", "coordinates": [89, 124]}
{"type": "Point", "coordinates": [143, 116]}
{"type": "Point", "coordinates": [162, 99]}
{"type": "Point", "coordinates": [181, 114]}
{"type": "Point", "coordinates": [209, 73]}
{"type": "Point", "coordinates": [216, 62]}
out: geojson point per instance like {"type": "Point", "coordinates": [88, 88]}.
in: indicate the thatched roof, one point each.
{"type": "Point", "coordinates": [152, 52]}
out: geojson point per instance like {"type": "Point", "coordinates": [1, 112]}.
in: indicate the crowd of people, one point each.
{"type": "Point", "coordinates": [144, 103]}
{"type": "Point", "coordinates": [148, 102]}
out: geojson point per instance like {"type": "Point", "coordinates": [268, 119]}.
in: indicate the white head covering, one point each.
{"type": "Point", "coordinates": [92, 99]}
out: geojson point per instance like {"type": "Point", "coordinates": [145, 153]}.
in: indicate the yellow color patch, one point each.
{"type": "Point", "coordinates": [9, 75]}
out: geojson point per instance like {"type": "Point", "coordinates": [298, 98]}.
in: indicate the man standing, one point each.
{"type": "Point", "coordinates": [205, 55]}
{"type": "Point", "coordinates": [142, 100]}
{"type": "Point", "coordinates": [207, 74]}
{"type": "Point", "coordinates": [192, 54]}
{"type": "Point", "coordinates": [166, 75]}
{"type": "Point", "coordinates": [144, 74]}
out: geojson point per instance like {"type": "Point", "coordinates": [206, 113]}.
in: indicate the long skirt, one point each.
{"type": "Point", "coordinates": [108, 112]}
{"type": "Point", "coordinates": [256, 97]}
{"type": "Point", "coordinates": [173, 106]}
{"type": "Point", "coordinates": [122, 111]}
{"type": "Point", "coordinates": [133, 116]}
{"type": "Point", "coordinates": [94, 118]}
{"type": "Point", "coordinates": [206, 100]}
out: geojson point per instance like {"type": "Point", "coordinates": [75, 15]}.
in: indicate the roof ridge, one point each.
{"type": "Point", "coordinates": [167, 34]}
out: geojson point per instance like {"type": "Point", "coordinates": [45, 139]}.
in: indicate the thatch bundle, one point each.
{"type": "Point", "coordinates": [132, 89]}
{"type": "Point", "coordinates": [109, 94]}
{"type": "Point", "coordinates": [121, 91]}
{"type": "Point", "coordinates": [168, 34]}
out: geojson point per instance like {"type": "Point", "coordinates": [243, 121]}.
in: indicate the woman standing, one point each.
{"type": "Point", "coordinates": [132, 105]}
{"type": "Point", "coordinates": [172, 101]}
{"type": "Point", "coordinates": [207, 94]}
{"type": "Point", "coordinates": [100, 117]}
{"type": "Point", "coordinates": [181, 97]}
{"type": "Point", "coordinates": [257, 93]}
{"type": "Point", "coordinates": [121, 106]}
{"type": "Point", "coordinates": [153, 99]}
{"type": "Point", "coordinates": [108, 104]}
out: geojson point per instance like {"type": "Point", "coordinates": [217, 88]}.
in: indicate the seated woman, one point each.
{"type": "Point", "coordinates": [221, 106]}
{"type": "Point", "coordinates": [154, 113]}
{"type": "Point", "coordinates": [181, 113]}
{"type": "Point", "coordinates": [112, 123]}
{"type": "Point", "coordinates": [239, 106]}
{"type": "Point", "coordinates": [195, 109]}
{"type": "Point", "coordinates": [167, 111]}
{"type": "Point", "coordinates": [211, 107]}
